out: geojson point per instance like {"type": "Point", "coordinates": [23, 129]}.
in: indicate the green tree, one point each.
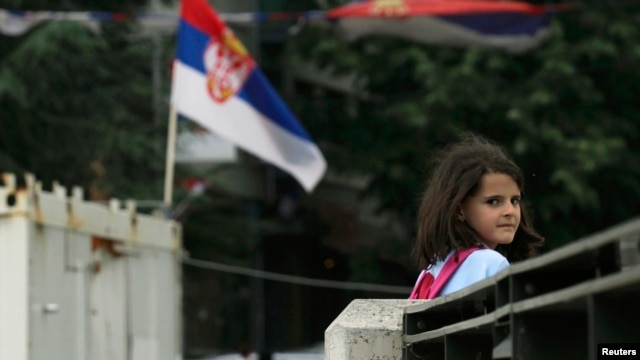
{"type": "Point", "coordinates": [564, 110]}
{"type": "Point", "coordinates": [76, 104]}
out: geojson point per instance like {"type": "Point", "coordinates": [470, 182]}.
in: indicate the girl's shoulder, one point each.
{"type": "Point", "coordinates": [479, 265]}
{"type": "Point", "coordinates": [487, 254]}
{"type": "Point", "coordinates": [488, 259]}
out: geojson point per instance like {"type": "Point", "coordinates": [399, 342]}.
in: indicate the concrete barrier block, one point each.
{"type": "Point", "coordinates": [367, 329]}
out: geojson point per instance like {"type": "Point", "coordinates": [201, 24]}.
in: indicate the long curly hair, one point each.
{"type": "Point", "coordinates": [456, 174]}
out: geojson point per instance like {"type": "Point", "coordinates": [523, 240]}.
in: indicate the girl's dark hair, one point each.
{"type": "Point", "coordinates": [457, 171]}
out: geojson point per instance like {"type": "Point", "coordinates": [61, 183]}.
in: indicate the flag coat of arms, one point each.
{"type": "Point", "coordinates": [217, 84]}
{"type": "Point", "coordinates": [512, 26]}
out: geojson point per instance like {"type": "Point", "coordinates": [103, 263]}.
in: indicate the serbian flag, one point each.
{"type": "Point", "coordinates": [217, 84]}
{"type": "Point", "coordinates": [512, 26]}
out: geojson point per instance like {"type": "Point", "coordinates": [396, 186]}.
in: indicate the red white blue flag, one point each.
{"type": "Point", "coordinates": [512, 26]}
{"type": "Point", "coordinates": [217, 84]}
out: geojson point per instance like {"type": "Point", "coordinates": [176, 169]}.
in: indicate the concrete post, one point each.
{"type": "Point", "coordinates": [367, 329]}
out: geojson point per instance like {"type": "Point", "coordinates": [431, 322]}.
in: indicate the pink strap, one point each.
{"type": "Point", "coordinates": [448, 269]}
{"type": "Point", "coordinates": [422, 286]}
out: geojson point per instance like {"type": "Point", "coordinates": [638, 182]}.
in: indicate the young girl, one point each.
{"type": "Point", "coordinates": [471, 221]}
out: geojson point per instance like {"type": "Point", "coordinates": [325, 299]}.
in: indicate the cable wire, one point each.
{"type": "Point", "coordinates": [299, 280]}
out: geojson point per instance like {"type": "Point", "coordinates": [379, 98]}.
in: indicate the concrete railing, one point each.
{"type": "Point", "coordinates": [563, 304]}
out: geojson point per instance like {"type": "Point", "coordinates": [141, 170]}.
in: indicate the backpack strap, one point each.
{"type": "Point", "coordinates": [449, 268]}
{"type": "Point", "coordinates": [422, 286]}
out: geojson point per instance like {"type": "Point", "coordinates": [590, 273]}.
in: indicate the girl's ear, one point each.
{"type": "Point", "coordinates": [460, 215]}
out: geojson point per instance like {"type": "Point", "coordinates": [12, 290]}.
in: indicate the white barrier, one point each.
{"type": "Point", "coordinates": [85, 281]}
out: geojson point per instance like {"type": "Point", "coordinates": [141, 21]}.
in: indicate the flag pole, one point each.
{"type": "Point", "coordinates": [171, 149]}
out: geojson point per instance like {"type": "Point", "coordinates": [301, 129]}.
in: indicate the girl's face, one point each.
{"type": "Point", "coordinates": [494, 210]}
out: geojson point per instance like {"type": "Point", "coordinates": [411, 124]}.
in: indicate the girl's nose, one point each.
{"type": "Point", "coordinates": [509, 209]}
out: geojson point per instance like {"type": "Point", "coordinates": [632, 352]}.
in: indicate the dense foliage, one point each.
{"type": "Point", "coordinates": [76, 105]}
{"type": "Point", "coordinates": [566, 111]}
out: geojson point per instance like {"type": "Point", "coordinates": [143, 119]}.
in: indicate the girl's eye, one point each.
{"type": "Point", "coordinates": [515, 201]}
{"type": "Point", "coordinates": [493, 201]}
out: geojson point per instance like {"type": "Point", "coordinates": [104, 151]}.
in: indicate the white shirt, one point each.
{"type": "Point", "coordinates": [479, 265]}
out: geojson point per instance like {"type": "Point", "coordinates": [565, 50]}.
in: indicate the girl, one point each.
{"type": "Point", "coordinates": [471, 222]}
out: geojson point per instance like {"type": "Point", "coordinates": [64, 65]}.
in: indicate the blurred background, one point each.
{"type": "Point", "coordinates": [87, 104]}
